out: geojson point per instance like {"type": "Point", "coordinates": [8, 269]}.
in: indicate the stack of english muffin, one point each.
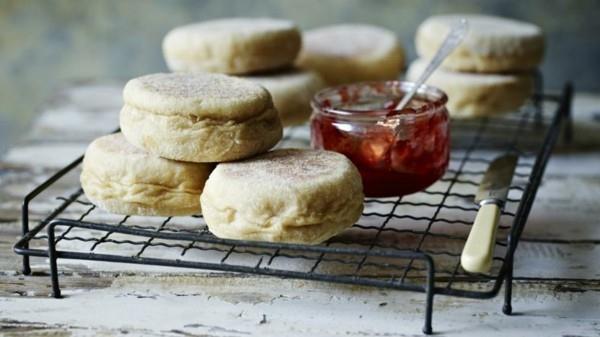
{"type": "Point", "coordinates": [490, 72]}
{"type": "Point", "coordinates": [195, 141]}
{"type": "Point", "coordinates": [262, 50]}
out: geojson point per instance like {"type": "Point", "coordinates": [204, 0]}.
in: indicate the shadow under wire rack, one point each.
{"type": "Point", "coordinates": [408, 243]}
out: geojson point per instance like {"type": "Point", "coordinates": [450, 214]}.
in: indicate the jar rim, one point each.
{"type": "Point", "coordinates": [433, 96]}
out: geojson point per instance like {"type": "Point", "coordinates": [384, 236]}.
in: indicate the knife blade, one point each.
{"type": "Point", "coordinates": [491, 196]}
{"type": "Point", "coordinates": [496, 180]}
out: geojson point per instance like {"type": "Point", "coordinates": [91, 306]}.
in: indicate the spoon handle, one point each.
{"type": "Point", "coordinates": [455, 36]}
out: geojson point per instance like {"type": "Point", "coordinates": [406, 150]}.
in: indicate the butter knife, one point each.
{"type": "Point", "coordinates": [478, 252]}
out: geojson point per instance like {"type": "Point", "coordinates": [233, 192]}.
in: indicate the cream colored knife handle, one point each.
{"type": "Point", "coordinates": [479, 249]}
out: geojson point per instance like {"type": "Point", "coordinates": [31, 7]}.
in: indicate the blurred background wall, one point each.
{"type": "Point", "coordinates": [47, 44]}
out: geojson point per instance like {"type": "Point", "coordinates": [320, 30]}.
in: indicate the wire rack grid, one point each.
{"type": "Point", "coordinates": [407, 243]}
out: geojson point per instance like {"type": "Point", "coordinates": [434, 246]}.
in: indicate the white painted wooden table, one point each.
{"type": "Point", "coordinates": [557, 266]}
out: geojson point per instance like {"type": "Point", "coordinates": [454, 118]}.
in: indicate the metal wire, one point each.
{"type": "Point", "coordinates": [458, 178]}
{"type": "Point", "coordinates": [400, 243]}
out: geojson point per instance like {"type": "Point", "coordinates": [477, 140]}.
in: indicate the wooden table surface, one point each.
{"type": "Point", "coordinates": [557, 266]}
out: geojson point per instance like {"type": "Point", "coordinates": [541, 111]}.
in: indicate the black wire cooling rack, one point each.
{"type": "Point", "coordinates": [410, 243]}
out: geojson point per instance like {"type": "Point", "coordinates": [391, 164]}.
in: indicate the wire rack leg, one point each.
{"type": "Point", "coordinates": [508, 279]}
{"type": "Point", "coordinates": [26, 265]}
{"type": "Point", "coordinates": [429, 292]}
{"type": "Point", "coordinates": [24, 231]}
{"type": "Point", "coordinates": [53, 263]}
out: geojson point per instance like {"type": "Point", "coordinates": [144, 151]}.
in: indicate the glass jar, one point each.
{"type": "Point", "coordinates": [397, 152]}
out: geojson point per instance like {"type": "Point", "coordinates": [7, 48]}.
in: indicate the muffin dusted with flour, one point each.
{"type": "Point", "coordinates": [352, 53]}
{"type": "Point", "coordinates": [292, 92]}
{"type": "Point", "coordinates": [124, 179]}
{"type": "Point", "coordinates": [474, 94]}
{"type": "Point", "coordinates": [291, 195]}
{"type": "Point", "coordinates": [199, 117]}
{"type": "Point", "coordinates": [493, 44]}
{"type": "Point", "coordinates": [232, 45]}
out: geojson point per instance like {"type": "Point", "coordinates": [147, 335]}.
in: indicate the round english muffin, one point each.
{"type": "Point", "coordinates": [289, 195]}
{"type": "Point", "coordinates": [292, 92]}
{"type": "Point", "coordinates": [476, 95]}
{"type": "Point", "coordinates": [351, 53]}
{"type": "Point", "coordinates": [492, 44]}
{"type": "Point", "coordinates": [123, 179]}
{"type": "Point", "coordinates": [199, 117]}
{"type": "Point", "coordinates": [232, 46]}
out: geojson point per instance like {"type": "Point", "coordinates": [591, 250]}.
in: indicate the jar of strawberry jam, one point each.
{"type": "Point", "coordinates": [397, 152]}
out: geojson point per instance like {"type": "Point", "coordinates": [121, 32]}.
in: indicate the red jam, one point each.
{"type": "Point", "coordinates": [358, 120]}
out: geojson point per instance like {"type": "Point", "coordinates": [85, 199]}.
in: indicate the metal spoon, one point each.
{"type": "Point", "coordinates": [453, 39]}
